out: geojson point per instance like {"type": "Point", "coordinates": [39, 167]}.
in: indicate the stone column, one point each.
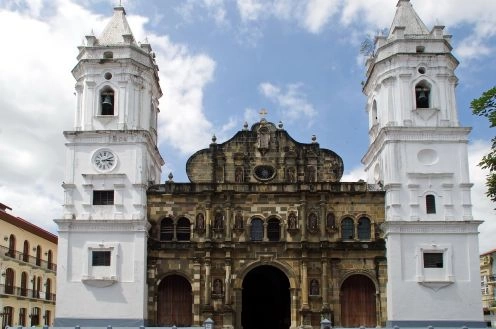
{"type": "Point", "coordinates": [265, 238]}
{"type": "Point", "coordinates": [304, 285]}
{"type": "Point", "coordinates": [322, 218]}
{"type": "Point", "coordinates": [227, 289]}
{"type": "Point", "coordinates": [207, 288]}
{"type": "Point", "coordinates": [208, 222]}
{"type": "Point", "coordinates": [196, 292]}
{"type": "Point", "coordinates": [228, 222]}
{"type": "Point", "coordinates": [303, 217]}
{"type": "Point", "coordinates": [324, 285]}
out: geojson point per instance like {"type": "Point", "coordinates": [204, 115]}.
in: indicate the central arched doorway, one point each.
{"type": "Point", "coordinates": [174, 302]}
{"type": "Point", "coordinates": [266, 302]}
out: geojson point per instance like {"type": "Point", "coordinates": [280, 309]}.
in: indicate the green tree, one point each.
{"type": "Point", "coordinates": [485, 106]}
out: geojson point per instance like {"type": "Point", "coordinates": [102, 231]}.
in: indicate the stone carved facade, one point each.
{"type": "Point", "coordinates": [223, 229]}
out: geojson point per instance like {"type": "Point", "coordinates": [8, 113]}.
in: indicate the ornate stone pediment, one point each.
{"type": "Point", "coordinates": [264, 154]}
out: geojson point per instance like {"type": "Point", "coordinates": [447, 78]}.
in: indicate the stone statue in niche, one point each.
{"type": "Point", "coordinates": [238, 175]}
{"type": "Point", "coordinates": [291, 175]}
{"type": "Point", "coordinates": [312, 222]}
{"type": "Point", "coordinates": [200, 222]}
{"type": "Point", "coordinates": [238, 221]}
{"type": "Point", "coordinates": [263, 139]}
{"type": "Point", "coordinates": [218, 286]}
{"type": "Point", "coordinates": [292, 220]}
{"type": "Point", "coordinates": [218, 221]}
{"type": "Point", "coordinates": [314, 287]}
{"type": "Point", "coordinates": [220, 174]}
{"type": "Point", "coordinates": [330, 221]}
{"type": "Point", "coordinates": [311, 174]}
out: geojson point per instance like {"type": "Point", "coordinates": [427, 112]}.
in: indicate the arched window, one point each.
{"type": "Point", "coordinates": [48, 289]}
{"type": "Point", "coordinates": [8, 311]}
{"type": "Point", "coordinates": [256, 229]}
{"type": "Point", "coordinates": [9, 281]}
{"type": "Point", "coordinates": [183, 229]}
{"type": "Point", "coordinates": [347, 229]}
{"type": "Point", "coordinates": [24, 284]}
{"type": "Point", "coordinates": [22, 317]}
{"type": "Point", "coordinates": [38, 286]}
{"type": "Point", "coordinates": [422, 95]}
{"type": "Point", "coordinates": [35, 316]}
{"type": "Point", "coordinates": [46, 317]}
{"type": "Point", "coordinates": [363, 229]}
{"type": "Point", "coordinates": [12, 246]}
{"type": "Point", "coordinates": [25, 251]}
{"type": "Point", "coordinates": [166, 229]}
{"type": "Point", "coordinates": [273, 229]}
{"type": "Point", "coordinates": [38, 255]}
{"type": "Point", "coordinates": [107, 101]}
{"type": "Point", "coordinates": [50, 260]}
{"type": "Point", "coordinates": [430, 204]}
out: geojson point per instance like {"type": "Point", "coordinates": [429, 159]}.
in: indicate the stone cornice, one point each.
{"type": "Point", "coordinates": [79, 225]}
{"type": "Point", "coordinates": [430, 227]}
{"type": "Point", "coordinates": [415, 134]}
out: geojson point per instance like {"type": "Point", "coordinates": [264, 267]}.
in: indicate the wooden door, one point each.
{"type": "Point", "coordinates": [175, 300]}
{"type": "Point", "coordinates": [357, 299]}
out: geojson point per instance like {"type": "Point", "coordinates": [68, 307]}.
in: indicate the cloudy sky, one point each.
{"type": "Point", "coordinates": [221, 61]}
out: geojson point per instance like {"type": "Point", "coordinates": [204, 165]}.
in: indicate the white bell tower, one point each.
{"type": "Point", "coordinates": [418, 153]}
{"type": "Point", "coordinates": [111, 159]}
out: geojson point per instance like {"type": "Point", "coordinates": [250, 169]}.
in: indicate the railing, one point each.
{"type": "Point", "coordinates": [28, 293]}
{"type": "Point", "coordinates": [28, 259]}
{"type": "Point", "coordinates": [172, 187]}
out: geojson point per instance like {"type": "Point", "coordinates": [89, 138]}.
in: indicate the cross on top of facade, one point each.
{"type": "Point", "coordinates": [263, 113]}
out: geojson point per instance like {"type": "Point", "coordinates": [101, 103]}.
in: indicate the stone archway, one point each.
{"type": "Point", "coordinates": [174, 302]}
{"type": "Point", "coordinates": [358, 302]}
{"type": "Point", "coordinates": [266, 299]}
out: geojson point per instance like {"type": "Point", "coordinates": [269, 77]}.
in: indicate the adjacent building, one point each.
{"type": "Point", "coordinates": [488, 282]}
{"type": "Point", "coordinates": [28, 268]}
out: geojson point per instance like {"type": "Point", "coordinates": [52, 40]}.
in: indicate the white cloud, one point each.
{"type": "Point", "coordinates": [311, 15]}
{"type": "Point", "coordinates": [215, 9]}
{"type": "Point", "coordinates": [354, 175]}
{"type": "Point", "coordinates": [318, 13]}
{"type": "Point", "coordinates": [250, 10]}
{"type": "Point", "coordinates": [291, 100]}
{"type": "Point", "coordinates": [42, 52]}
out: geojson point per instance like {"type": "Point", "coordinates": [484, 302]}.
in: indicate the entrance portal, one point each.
{"type": "Point", "coordinates": [174, 302]}
{"type": "Point", "coordinates": [266, 302]}
{"type": "Point", "coordinates": [358, 302]}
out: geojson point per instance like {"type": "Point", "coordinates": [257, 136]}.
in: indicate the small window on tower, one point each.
{"type": "Point", "coordinates": [105, 197]}
{"type": "Point", "coordinates": [433, 260]}
{"type": "Point", "coordinates": [430, 204]}
{"type": "Point", "coordinates": [107, 101]}
{"type": "Point", "coordinates": [100, 258]}
{"type": "Point", "coordinates": [108, 55]}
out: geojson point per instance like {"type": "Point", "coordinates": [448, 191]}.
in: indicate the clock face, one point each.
{"type": "Point", "coordinates": [104, 160]}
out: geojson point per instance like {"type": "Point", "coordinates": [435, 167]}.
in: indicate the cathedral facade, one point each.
{"type": "Point", "coordinates": [265, 231]}
{"type": "Point", "coordinates": [265, 234]}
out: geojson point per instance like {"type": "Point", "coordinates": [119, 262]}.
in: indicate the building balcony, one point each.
{"type": "Point", "coordinates": [27, 293]}
{"type": "Point", "coordinates": [24, 258]}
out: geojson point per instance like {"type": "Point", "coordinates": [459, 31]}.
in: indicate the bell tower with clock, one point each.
{"type": "Point", "coordinates": [111, 159]}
